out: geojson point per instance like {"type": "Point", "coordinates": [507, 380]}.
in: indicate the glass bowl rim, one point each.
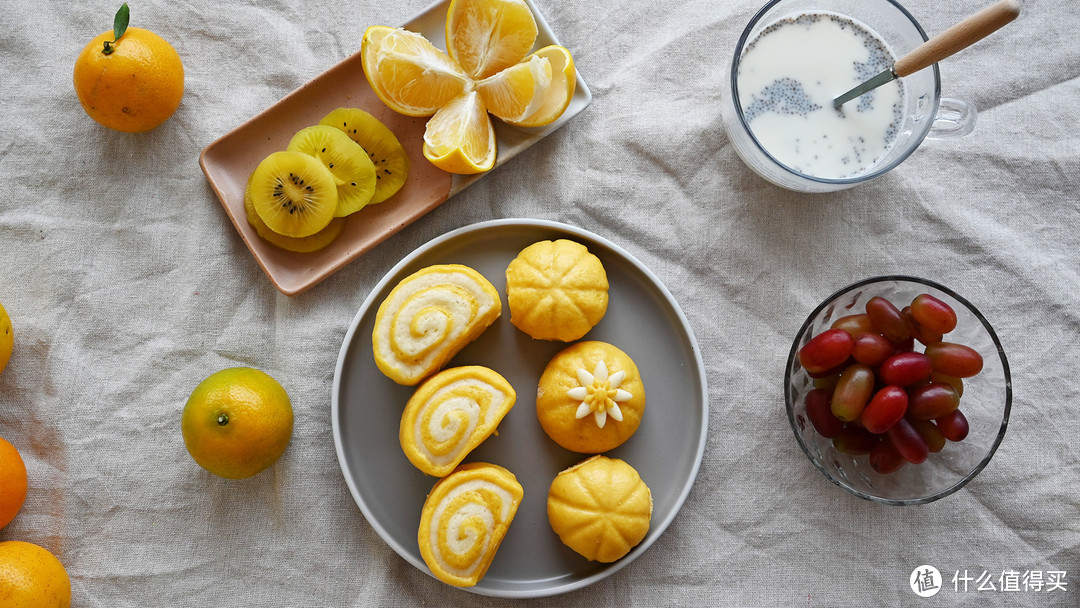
{"type": "Point", "coordinates": [1004, 368]}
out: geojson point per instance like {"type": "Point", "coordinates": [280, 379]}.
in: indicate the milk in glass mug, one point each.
{"type": "Point", "coordinates": [795, 57]}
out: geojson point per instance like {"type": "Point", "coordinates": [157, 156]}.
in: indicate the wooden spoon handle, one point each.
{"type": "Point", "coordinates": [958, 37]}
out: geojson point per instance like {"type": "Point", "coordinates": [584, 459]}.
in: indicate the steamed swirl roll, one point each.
{"type": "Point", "coordinates": [464, 519]}
{"type": "Point", "coordinates": [450, 414]}
{"type": "Point", "coordinates": [430, 316]}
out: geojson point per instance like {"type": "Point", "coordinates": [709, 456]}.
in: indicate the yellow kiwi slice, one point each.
{"type": "Point", "coordinates": [383, 148]}
{"type": "Point", "coordinates": [294, 194]}
{"type": "Point", "coordinates": [353, 171]}
{"type": "Point", "coordinates": [306, 244]}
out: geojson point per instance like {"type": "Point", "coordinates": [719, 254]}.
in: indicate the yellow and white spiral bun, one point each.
{"type": "Point", "coordinates": [464, 519]}
{"type": "Point", "coordinates": [600, 508]}
{"type": "Point", "coordinates": [430, 316]}
{"type": "Point", "coordinates": [450, 414]}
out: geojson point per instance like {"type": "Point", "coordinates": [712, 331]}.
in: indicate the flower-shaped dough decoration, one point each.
{"type": "Point", "coordinates": [599, 394]}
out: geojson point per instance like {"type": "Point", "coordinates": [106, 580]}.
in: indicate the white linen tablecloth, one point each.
{"type": "Point", "coordinates": [127, 285]}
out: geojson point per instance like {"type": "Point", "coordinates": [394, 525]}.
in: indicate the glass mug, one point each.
{"type": "Point", "coordinates": [924, 112]}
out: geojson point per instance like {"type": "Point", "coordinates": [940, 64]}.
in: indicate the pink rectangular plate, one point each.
{"type": "Point", "coordinates": [229, 161]}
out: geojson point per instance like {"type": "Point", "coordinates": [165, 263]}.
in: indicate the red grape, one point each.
{"type": "Point", "coordinates": [872, 349]}
{"type": "Point", "coordinates": [956, 383]}
{"type": "Point", "coordinates": [827, 382]}
{"type": "Point", "coordinates": [852, 392]}
{"type": "Point", "coordinates": [855, 440]}
{"type": "Point", "coordinates": [817, 410]}
{"type": "Point", "coordinates": [954, 359]}
{"type": "Point", "coordinates": [923, 334]}
{"type": "Point", "coordinates": [932, 401]}
{"type": "Point", "coordinates": [887, 319]}
{"type": "Point", "coordinates": [954, 425]}
{"type": "Point", "coordinates": [905, 346]}
{"type": "Point", "coordinates": [885, 459]}
{"type": "Point", "coordinates": [832, 371]}
{"type": "Point", "coordinates": [885, 408]}
{"type": "Point", "coordinates": [873, 394]}
{"type": "Point", "coordinates": [856, 325]}
{"type": "Point", "coordinates": [826, 350]}
{"type": "Point", "coordinates": [904, 369]}
{"type": "Point", "coordinates": [933, 314]}
{"type": "Point", "coordinates": [930, 434]}
{"type": "Point", "coordinates": [908, 442]}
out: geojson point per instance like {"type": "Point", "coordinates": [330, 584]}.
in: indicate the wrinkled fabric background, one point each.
{"type": "Point", "coordinates": [127, 285]}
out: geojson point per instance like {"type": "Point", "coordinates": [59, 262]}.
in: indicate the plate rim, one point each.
{"type": "Point", "coordinates": [335, 399]}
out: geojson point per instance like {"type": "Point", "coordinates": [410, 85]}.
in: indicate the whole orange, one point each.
{"type": "Point", "coordinates": [12, 482]}
{"type": "Point", "coordinates": [133, 88]}
{"type": "Point", "coordinates": [237, 422]}
{"type": "Point", "coordinates": [31, 577]}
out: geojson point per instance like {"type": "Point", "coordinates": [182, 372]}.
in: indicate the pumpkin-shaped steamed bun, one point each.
{"type": "Point", "coordinates": [556, 290]}
{"type": "Point", "coordinates": [590, 397]}
{"type": "Point", "coordinates": [600, 508]}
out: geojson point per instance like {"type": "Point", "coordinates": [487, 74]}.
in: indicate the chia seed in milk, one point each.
{"type": "Point", "coordinates": [787, 78]}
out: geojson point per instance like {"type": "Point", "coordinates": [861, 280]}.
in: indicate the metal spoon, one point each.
{"type": "Point", "coordinates": [955, 39]}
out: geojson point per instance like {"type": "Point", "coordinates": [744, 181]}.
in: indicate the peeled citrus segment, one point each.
{"type": "Point", "coordinates": [306, 244]}
{"type": "Point", "coordinates": [408, 73]}
{"type": "Point", "coordinates": [517, 92]}
{"type": "Point", "coordinates": [353, 171]}
{"type": "Point", "coordinates": [464, 519]}
{"type": "Point", "coordinates": [487, 36]}
{"type": "Point", "coordinates": [380, 143]}
{"type": "Point", "coordinates": [561, 90]}
{"type": "Point", "coordinates": [294, 193]}
{"type": "Point", "coordinates": [452, 413]}
{"type": "Point", "coordinates": [460, 137]}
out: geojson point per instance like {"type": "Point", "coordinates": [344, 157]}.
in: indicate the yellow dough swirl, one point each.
{"type": "Point", "coordinates": [430, 316]}
{"type": "Point", "coordinates": [464, 519]}
{"type": "Point", "coordinates": [450, 414]}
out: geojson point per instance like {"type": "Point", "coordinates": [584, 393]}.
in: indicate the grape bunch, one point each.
{"type": "Point", "coordinates": [875, 394]}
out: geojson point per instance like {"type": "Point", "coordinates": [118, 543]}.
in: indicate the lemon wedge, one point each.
{"type": "Point", "coordinates": [408, 73]}
{"type": "Point", "coordinates": [488, 36]}
{"type": "Point", "coordinates": [460, 137]}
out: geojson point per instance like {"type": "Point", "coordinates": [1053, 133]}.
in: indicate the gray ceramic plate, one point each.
{"type": "Point", "coordinates": [642, 319]}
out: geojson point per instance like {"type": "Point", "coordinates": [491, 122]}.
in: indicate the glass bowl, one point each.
{"type": "Point", "coordinates": [986, 400]}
